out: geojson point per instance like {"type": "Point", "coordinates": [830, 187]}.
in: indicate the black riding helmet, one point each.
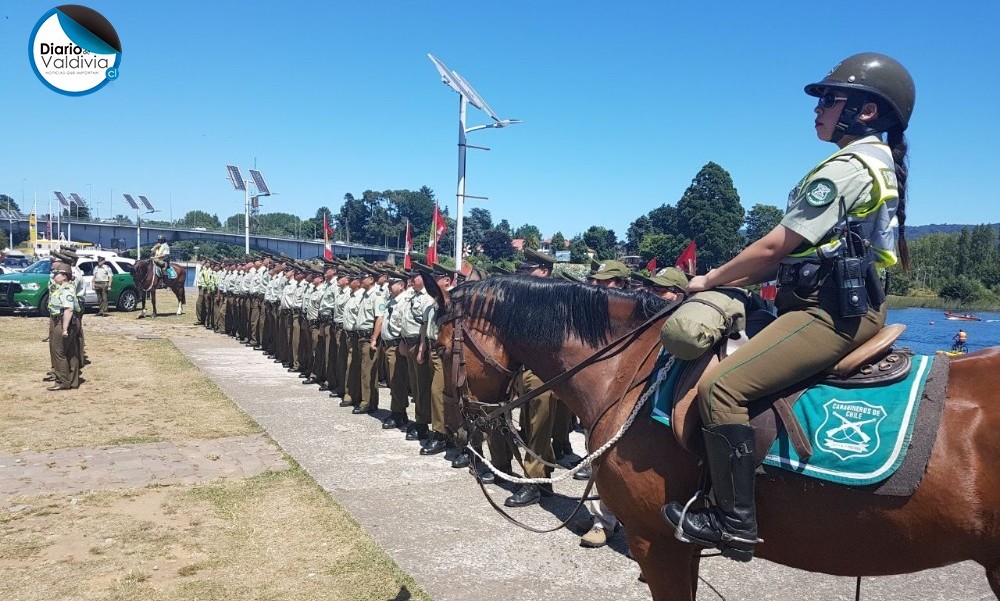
{"type": "Point", "coordinates": [869, 77]}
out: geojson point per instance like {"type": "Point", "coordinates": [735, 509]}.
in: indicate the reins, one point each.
{"type": "Point", "coordinates": [460, 335]}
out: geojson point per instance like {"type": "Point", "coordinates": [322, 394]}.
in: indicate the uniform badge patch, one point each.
{"type": "Point", "coordinates": [851, 429]}
{"type": "Point", "coordinates": [820, 192]}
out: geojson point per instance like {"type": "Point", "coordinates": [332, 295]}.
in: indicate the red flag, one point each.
{"type": "Point", "coordinates": [438, 227]}
{"type": "Point", "coordinates": [407, 262]}
{"type": "Point", "coordinates": [651, 266]}
{"type": "Point", "coordinates": [688, 261]}
{"type": "Point", "coordinates": [327, 247]}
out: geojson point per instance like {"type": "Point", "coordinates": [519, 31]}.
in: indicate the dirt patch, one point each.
{"type": "Point", "coordinates": [134, 391]}
{"type": "Point", "coordinates": [274, 536]}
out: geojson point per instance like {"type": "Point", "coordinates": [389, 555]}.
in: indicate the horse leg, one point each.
{"type": "Point", "coordinates": [669, 567]}
{"type": "Point", "coordinates": [152, 296]}
{"type": "Point", "coordinates": [993, 577]}
{"type": "Point", "coordinates": [142, 313]}
{"type": "Point", "coordinates": [180, 300]}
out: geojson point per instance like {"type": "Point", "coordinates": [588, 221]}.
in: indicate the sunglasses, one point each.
{"type": "Point", "coordinates": [829, 99]}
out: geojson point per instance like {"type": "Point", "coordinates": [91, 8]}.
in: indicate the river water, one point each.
{"type": "Point", "coordinates": [928, 331]}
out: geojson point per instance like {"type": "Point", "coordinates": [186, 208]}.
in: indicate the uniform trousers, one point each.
{"type": "Point", "coordinates": [436, 373]}
{"type": "Point", "coordinates": [536, 420]}
{"type": "Point", "coordinates": [295, 341]}
{"type": "Point", "coordinates": [352, 389]}
{"type": "Point", "coordinates": [398, 378]}
{"type": "Point", "coordinates": [808, 337]}
{"type": "Point", "coordinates": [343, 352]}
{"type": "Point", "coordinates": [199, 306]}
{"type": "Point", "coordinates": [305, 345]}
{"type": "Point", "coordinates": [317, 334]}
{"type": "Point", "coordinates": [420, 386]}
{"type": "Point", "coordinates": [64, 352]}
{"type": "Point", "coordinates": [102, 297]}
{"type": "Point", "coordinates": [562, 423]}
{"type": "Point", "coordinates": [368, 377]}
{"type": "Point", "coordinates": [332, 357]}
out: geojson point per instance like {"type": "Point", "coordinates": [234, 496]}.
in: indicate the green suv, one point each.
{"type": "Point", "coordinates": [28, 291]}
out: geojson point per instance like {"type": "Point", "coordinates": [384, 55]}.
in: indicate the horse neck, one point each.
{"type": "Point", "coordinates": [590, 392]}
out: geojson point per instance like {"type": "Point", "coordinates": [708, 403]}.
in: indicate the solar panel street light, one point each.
{"type": "Point", "coordinates": [467, 95]}
{"type": "Point", "coordinates": [261, 185]}
{"type": "Point", "coordinates": [61, 198]}
{"type": "Point", "coordinates": [76, 198]}
{"type": "Point", "coordinates": [236, 178]}
{"type": "Point", "coordinates": [145, 202]}
{"type": "Point", "coordinates": [131, 201]}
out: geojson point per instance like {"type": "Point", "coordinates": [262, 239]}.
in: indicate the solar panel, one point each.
{"type": "Point", "coordinates": [131, 201]}
{"type": "Point", "coordinates": [76, 198]}
{"type": "Point", "coordinates": [258, 180]}
{"type": "Point", "coordinates": [5, 215]}
{"type": "Point", "coordinates": [61, 198]}
{"type": "Point", "coordinates": [236, 178]}
{"type": "Point", "coordinates": [145, 201]}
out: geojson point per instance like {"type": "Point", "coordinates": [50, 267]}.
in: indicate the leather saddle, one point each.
{"type": "Point", "coordinates": [871, 364]}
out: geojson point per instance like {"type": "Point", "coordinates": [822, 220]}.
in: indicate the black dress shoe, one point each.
{"type": "Point", "coordinates": [303, 376]}
{"type": "Point", "coordinates": [488, 477]}
{"type": "Point", "coordinates": [323, 387]}
{"type": "Point", "coordinates": [346, 403]}
{"type": "Point", "coordinates": [49, 379]}
{"type": "Point", "coordinates": [434, 447]}
{"type": "Point", "coordinates": [389, 423]}
{"type": "Point", "coordinates": [309, 381]}
{"type": "Point", "coordinates": [417, 432]}
{"type": "Point", "coordinates": [583, 474]}
{"type": "Point", "coordinates": [359, 409]}
{"type": "Point", "coordinates": [528, 494]}
{"type": "Point", "coordinates": [290, 368]}
{"type": "Point", "coordinates": [461, 461]}
{"type": "Point", "coordinates": [257, 347]}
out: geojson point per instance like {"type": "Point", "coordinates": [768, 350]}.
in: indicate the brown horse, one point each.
{"type": "Point", "coordinates": [552, 326]}
{"type": "Point", "coordinates": [148, 280]}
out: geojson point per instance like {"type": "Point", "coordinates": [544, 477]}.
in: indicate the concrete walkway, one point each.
{"type": "Point", "coordinates": [85, 469]}
{"type": "Point", "coordinates": [433, 520]}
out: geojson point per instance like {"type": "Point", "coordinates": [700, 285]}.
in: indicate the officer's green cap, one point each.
{"type": "Point", "coordinates": [611, 269]}
{"type": "Point", "coordinates": [569, 277]}
{"type": "Point", "coordinates": [534, 259]}
{"type": "Point", "coordinates": [669, 277]}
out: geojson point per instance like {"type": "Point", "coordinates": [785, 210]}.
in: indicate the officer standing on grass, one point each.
{"type": "Point", "coordinates": [64, 349]}
{"type": "Point", "coordinates": [102, 284]}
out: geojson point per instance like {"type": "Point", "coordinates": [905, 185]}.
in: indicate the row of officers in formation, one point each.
{"type": "Point", "coordinates": [65, 306]}
{"type": "Point", "coordinates": [348, 327]}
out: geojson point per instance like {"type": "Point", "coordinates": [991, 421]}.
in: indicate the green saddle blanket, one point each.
{"type": "Point", "coordinates": [859, 435]}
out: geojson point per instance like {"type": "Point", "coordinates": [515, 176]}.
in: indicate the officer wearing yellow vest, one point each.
{"type": "Point", "coordinates": [64, 323]}
{"type": "Point", "coordinates": [839, 230]}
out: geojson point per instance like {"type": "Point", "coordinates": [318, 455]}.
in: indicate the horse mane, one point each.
{"type": "Point", "coordinates": [546, 312]}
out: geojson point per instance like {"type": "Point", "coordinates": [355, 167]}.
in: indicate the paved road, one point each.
{"type": "Point", "coordinates": [433, 521]}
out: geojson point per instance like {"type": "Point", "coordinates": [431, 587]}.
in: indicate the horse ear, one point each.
{"type": "Point", "coordinates": [431, 285]}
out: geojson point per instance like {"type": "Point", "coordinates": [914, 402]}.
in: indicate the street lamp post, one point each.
{"type": "Point", "coordinates": [138, 228]}
{"type": "Point", "coordinates": [467, 96]}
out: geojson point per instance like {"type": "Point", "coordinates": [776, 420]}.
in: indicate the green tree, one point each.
{"type": "Point", "coordinates": [639, 229]}
{"type": "Point", "coordinates": [962, 289]}
{"type": "Point", "coordinates": [531, 234]}
{"type": "Point", "coordinates": [665, 247]}
{"type": "Point", "coordinates": [8, 204]}
{"type": "Point", "coordinates": [760, 220]}
{"type": "Point", "coordinates": [497, 244]}
{"type": "Point", "coordinates": [504, 226]}
{"type": "Point", "coordinates": [201, 219]}
{"type": "Point", "coordinates": [964, 256]}
{"type": "Point", "coordinates": [663, 219]}
{"type": "Point", "coordinates": [578, 251]}
{"type": "Point", "coordinates": [602, 240]}
{"type": "Point", "coordinates": [710, 213]}
{"type": "Point", "coordinates": [475, 225]}
{"type": "Point", "coordinates": [558, 241]}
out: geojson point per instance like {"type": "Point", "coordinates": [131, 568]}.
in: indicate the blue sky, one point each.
{"type": "Point", "coordinates": [623, 103]}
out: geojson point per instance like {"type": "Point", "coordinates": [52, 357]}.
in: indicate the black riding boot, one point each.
{"type": "Point", "coordinates": [731, 525]}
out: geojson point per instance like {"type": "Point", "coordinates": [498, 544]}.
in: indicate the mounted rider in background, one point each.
{"type": "Point", "coordinates": [160, 255]}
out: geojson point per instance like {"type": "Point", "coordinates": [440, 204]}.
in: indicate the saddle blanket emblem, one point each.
{"type": "Point", "coordinates": [859, 435]}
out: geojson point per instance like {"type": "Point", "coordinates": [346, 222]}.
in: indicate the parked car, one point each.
{"type": "Point", "coordinates": [14, 264]}
{"type": "Point", "coordinates": [28, 291]}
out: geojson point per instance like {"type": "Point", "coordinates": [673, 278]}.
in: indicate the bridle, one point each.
{"type": "Point", "coordinates": [496, 415]}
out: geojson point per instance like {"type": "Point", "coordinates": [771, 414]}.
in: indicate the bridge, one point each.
{"type": "Point", "coordinates": [122, 237]}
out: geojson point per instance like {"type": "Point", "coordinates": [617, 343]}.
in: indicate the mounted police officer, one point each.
{"type": "Point", "coordinates": [160, 255]}
{"type": "Point", "coordinates": [839, 230]}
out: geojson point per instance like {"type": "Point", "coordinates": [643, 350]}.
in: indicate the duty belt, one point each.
{"type": "Point", "coordinates": [411, 341]}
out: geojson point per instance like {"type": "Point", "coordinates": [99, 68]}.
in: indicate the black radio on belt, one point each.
{"type": "Point", "coordinates": [849, 272]}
